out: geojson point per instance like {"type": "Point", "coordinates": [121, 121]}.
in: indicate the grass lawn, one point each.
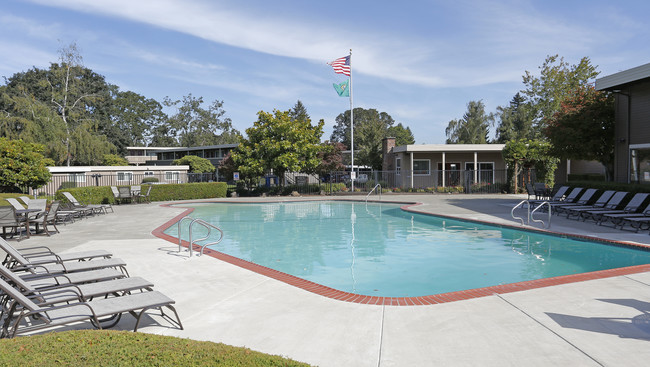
{"type": "Point", "coordinates": [125, 348]}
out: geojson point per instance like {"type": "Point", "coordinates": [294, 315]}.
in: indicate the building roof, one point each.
{"type": "Point", "coordinates": [150, 148]}
{"type": "Point", "coordinates": [624, 77]}
{"type": "Point", "coordinates": [186, 149]}
{"type": "Point", "coordinates": [439, 148]}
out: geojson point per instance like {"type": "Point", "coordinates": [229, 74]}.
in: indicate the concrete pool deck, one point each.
{"type": "Point", "coordinates": [589, 323]}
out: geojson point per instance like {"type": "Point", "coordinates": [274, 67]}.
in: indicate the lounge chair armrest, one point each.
{"type": "Point", "coordinates": [43, 248]}
{"type": "Point", "coordinates": [29, 268]}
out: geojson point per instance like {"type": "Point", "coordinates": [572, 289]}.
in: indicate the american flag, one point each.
{"type": "Point", "coordinates": [341, 65]}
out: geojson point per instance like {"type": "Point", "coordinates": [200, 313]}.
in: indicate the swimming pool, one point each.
{"type": "Point", "coordinates": [378, 249]}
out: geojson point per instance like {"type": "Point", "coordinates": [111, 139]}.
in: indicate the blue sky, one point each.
{"type": "Point", "coordinates": [419, 61]}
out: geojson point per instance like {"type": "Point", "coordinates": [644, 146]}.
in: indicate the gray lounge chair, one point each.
{"type": "Point", "coordinates": [25, 199]}
{"type": "Point", "coordinates": [620, 219]}
{"type": "Point", "coordinates": [586, 212]}
{"type": "Point", "coordinates": [77, 292]}
{"type": "Point", "coordinates": [16, 261]}
{"type": "Point", "coordinates": [15, 203]}
{"type": "Point", "coordinates": [631, 207]}
{"type": "Point", "coordinates": [44, 255]}
{"type": "Point", "coordinates": [95, 208]}
{"type": "Point", "coordinates": [557, 197]}
{"type": "Point", "coordinates": [598, 204]}
{"type": "Point", "coordinates": [583, 200]}
{"type": "Point", "coordinates": [43, 316]}
{"type": "Point", "coordinates": [44, 280]}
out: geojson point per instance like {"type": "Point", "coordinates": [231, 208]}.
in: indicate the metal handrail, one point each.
{"type": "Point", "coordinates": [539, 220]}
{"type": "Point", "coordinates": [512, 212]}
{"type": "Point", "coordinates": [373, 189]}
{"type": "Point", "coordinates": [192, 241]}
{"type": "Point", "coordinates": [180, 238]}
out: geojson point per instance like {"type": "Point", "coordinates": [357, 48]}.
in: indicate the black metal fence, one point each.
{"type": "Point", "coordinates": [338, 183]}
{"type": "Point", "coordinates": [333, 183]}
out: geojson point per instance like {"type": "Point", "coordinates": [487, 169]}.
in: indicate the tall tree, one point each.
{"type": "Point", "coordinates": [299, 112]}
{"type": "Point", "coordinates": [195, 125]}
{"type": "Point", "coordinates": [134, 117]}
{"type": "Point", "coordinates": [557, 80]}
{"type": "Point", "coordinates": [515, 121]}
{"type": "Point", "coordinates": [473, 128]}
{"type": "Point", "coordinates": [370, 127]}
{"type": "Point", "coordinates": [278, 143]}
{"type": "Point", "coordinates": [62, 107]}
{"type": "Point", "coordinates": [583, 128]}
{"type": "Point", "coordinates": [73, 91]}
{"type": "Point", "coordinates": [402, 135]}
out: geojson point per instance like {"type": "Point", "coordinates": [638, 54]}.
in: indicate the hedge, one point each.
{"type": "Point", "coordinates": [166, 192]}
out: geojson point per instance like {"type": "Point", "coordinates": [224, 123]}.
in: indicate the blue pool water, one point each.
{"type": "Point", "coordinates": [380, 250]}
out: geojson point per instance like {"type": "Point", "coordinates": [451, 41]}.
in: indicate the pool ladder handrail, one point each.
{"type": "Point", "coordinates": [530, 213]}
{"type": "Point", "coordinates": [539, 220]}
{"type": "Point", "coordinates": [373, 189]}
{"type": "Point", "coordinates": [205, 224]}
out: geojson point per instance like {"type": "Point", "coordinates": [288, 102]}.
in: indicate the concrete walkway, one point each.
{"type": "Point", "coordinates": [599, 322]}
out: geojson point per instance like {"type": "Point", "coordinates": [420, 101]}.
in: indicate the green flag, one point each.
{"type": "Point", "coordinates": [343, 89]}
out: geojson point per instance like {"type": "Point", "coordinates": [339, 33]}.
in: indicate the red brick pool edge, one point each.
{"type": "Point", "coordinates": [408, 301]}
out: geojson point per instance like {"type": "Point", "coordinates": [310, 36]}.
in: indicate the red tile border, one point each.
{"type": "Point", "coordinates": [409, 301]}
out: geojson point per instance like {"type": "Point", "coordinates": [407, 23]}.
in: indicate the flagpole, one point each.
{"type": "Point", "coordinates": [352, 174]}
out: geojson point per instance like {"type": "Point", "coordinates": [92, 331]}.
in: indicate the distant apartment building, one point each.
{"type": "Point", "coordinates": [631, 89]}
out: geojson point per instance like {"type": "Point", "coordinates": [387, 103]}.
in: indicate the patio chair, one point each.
{"type": "Point", "coordinates": [145, 197]}
{"type": "Point", "coordinates": [631, 207]}
{"type": "Point", "coordinates": [16, 261]}
{"type": "Point", "coordinates": [49, 218]}
{"type": "Point", "coordinates": [541, 192]}
{"type": "Point", "coordinates": [599, 203]}
{"type": "Point", "coordinates": [530, 190]}
{"type": "Point", "coordinates": [96, 209]}
{"type": "Point", "coordinates": [9, 219]}
{"type": "Point", "coordinates": [43, 316]}
{"type": "Point", "coordinates": [124, 194]}
{"type": "Point", "coordinates": [37, 204]}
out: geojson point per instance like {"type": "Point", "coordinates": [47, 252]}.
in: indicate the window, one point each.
{"type": "Point", "coordinates": [485, 172]}
{"type": "Point", "coordinates": [398, 166]}
{"type": "Point", "coordinates": [421, 167]}
{"type": "Point", "coordinates": [125, 176]}
{"type": "Point", "coordinates": [77, 177]}
{"type": "Point", "coordinates": [148, 173]}
{"type": "Point", "coordinates": [640, 165]}
{"type": "Point", "coordinates": [172, 176]}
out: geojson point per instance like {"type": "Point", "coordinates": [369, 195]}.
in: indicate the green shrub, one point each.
{"type": "Point", "coordinates": [149, 180]}
{"type": "Point", "coordinates": [167, 192]}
